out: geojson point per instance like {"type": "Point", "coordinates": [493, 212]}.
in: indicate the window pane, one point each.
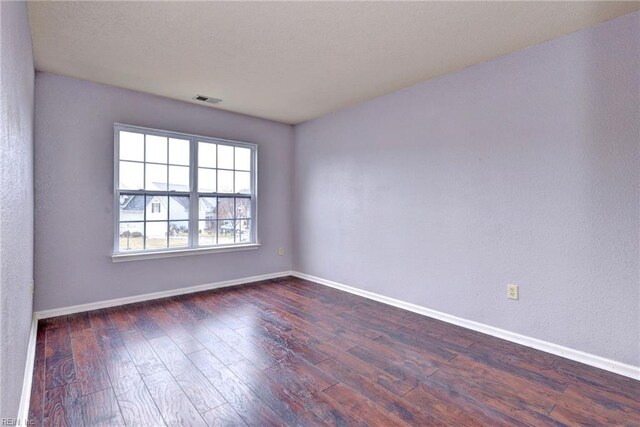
{"type": "Point", "coordinates": [206, 180]}
{"type": "Point", "coordinates": [156, 177]}
{"type": "Point", "coordinates": [131, 207]}
{"type": "Point", "coordinates": [225, 157]}
{"type": "Point", "coordinates": [243, 183]}
{"type": "Point", "coordinates": [178, 234]}
{"type": "Point", "coordinates": [156, 149]}
{"type": "Point", "coordinates": [179, 178]}
{"type": "Point", "coordinates": [207, 233]}
{"type": "Point", "coordinates": [208, 208]}
{"type": "Point", "coordinates": [243, 231]}
{"type": "Point", "coordinates": [156, 237]}
{"type": "Point", "coordinates": [160, 168]}
{"type": "Point", "coordinates": [178, 151]}
{"type": "Point", "coordinates": [206, 155]}
{"type": "Point", "coordinates": [156, 207]}
{"type": "Point", "coordinates": [178, 207]}
{"type": "Point", "coordinates": [243, 159]}
{"type": "Point", "coordinates": [226, 231]}
{"type": "Point", "coordinates": [131, 176]}
{"type": "Point", "coordinates": [243, 208]}
{"type": "Point", "coordinates": [225, 181]}
{"type": "Point", "coordinates": [131, 146]}
{"type": "Point", "coordinates": [226, 208]}
{"type": "Point", "coordinates": [131, 235]}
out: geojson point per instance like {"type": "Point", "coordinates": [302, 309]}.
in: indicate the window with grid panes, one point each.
{"type": "Point", "coordinates": [178, 191]}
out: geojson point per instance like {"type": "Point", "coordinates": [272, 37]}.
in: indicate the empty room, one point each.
{"type": "Point", "coordinates": [319, 213]}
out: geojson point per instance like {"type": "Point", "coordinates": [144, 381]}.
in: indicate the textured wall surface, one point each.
{"type": "Point", "coordinates": [521, 170]}
{"type": "Point", "coordinates": [16, 200]}
{"type": "Point", "coordinates": [74, 193]}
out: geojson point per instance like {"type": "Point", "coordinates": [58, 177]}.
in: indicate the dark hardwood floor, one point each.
{"type": "Point", "coordinates": [292, 352]}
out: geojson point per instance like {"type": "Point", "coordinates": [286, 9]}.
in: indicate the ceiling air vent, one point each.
{"type": "Point", "coordinates": [208, 99]}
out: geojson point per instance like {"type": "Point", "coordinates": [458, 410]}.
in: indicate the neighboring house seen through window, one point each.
{"type": "Point", "coordinates": [178, 191]}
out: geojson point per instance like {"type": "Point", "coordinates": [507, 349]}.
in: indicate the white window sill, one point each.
{"type": "Point", "coordinates": [137, 256]}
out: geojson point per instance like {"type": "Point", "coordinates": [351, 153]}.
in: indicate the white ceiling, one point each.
{"type": "Point", "coordinates": [290, 61]}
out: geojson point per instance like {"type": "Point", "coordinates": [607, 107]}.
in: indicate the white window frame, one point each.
{"type": "Point", "coordinates": [193, 194]}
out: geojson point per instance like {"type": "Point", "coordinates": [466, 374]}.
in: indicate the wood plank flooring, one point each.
{"type": "Point", "coordinates": [292, 352]}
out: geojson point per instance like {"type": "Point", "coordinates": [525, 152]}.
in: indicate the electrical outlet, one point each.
{"type": "Point", "coordinates": [513, 292]}
{"type": "Point", "coordinates": [281, 251]}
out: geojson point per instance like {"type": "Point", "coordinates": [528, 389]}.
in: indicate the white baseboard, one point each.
{"type": "Point", "coordinates": [25, 397]}
{"type": "Point", "coordinates": [155, 295]}
{"type": "Point", "coordinates": [569, 353]}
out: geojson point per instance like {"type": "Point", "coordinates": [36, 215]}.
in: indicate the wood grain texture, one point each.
{"type": "Point", "coordinates": [138, 408]}
{"type": "Point", "coordinates": [291, 352]}
{"type": "Point", "coordinates": [101, 409]}
{"type": "Point", "coordinates": [122, 372]}
{"type": "Point", "coordinates": [199, 390]}
{"type": "Point", "coordinates": [142, 354]}
{"type": "Point", "coordinates": [90, 372]}
{"type": "Point", "coordinates": [174, 405]}
{"type": "Point", "coordinates": [238, 394]}
{"type": "Point", "coordinates": [38, 382]}
{"type": "Point", "coordinates": [59, 367]}
{"type": "Point", "coordinates": [223, 416]}
{"type": "Point", "coordinates": [63, 406]}
{"type": "Point", "coordinates": [178, 333]}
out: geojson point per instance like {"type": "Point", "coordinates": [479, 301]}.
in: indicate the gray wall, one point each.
{"type": "Point", "coordinates": [16, 200]}
{"type": "Point", "coordinates": [74, 193]}
{"type": "Point", "coordinates": [521, 170]}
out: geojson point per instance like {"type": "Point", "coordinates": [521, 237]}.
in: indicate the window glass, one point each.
{"type": "Point", "coordinates": [132, 146]}
{"type": "Point", "coordinates": [179, 178]}
{"type": "Point", "coordinates": [206, 155]}
{"type": "Point", "coordinates": [243, 159]}
{"type": "Point", "coordinates": [155, 177]}
{"type": "Point", "coordinates": [225, 181]}
{"type": "Point", "coordinates": [156, 149]}
{"type": "Point", "coordinates": [206, 180]}
{"type": "Point", "coordinates": [131, 236]}
{"type": "Point", "coordinates": [225, 157]}
{"type": "Point", "coordinates": [179, 151]}
{"type": "Point", "coordinates": [242, 183]}
{"type": "Point", "coordinates": [165, 200]}
{"type": "Point", "coordinates": [131, 176]}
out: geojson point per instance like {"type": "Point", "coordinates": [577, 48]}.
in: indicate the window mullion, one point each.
{"type": "Point", "coordinates": [168, 198]}
{"type": "Point", "coordinates": [116, 187]}
{"type": "Point", "coordinates": [254, 193]}
{"type": "Point", "coordinates": [194, 202]}
{"type": "Point", "coordinates": [144, 197]}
